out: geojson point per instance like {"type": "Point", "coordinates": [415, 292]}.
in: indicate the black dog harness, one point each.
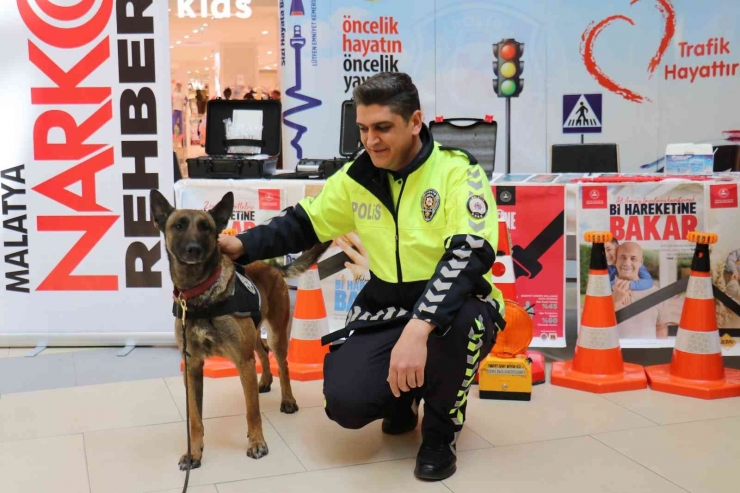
{"type": "Point", "coordinates": [245, 299]}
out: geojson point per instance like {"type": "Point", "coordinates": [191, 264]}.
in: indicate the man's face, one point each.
{"type": "Point", "coordinates": [611, 252]}
{"type": "Point", "coordinates": [629, 261]}
{"type": "Point", "coordinates": [386, 136]}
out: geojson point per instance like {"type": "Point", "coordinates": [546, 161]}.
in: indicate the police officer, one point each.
{"type": "Point", "coordinates": [430, 312]}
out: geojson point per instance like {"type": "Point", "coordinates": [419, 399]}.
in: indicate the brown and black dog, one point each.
{"type": "Point", "coordinates": [191, 239]}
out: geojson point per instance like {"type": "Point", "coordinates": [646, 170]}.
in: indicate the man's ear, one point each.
{"type": "Point", "coordinates": [221, 213]}
{"type": "Point", "coordinates": [160, 209]}
{"type": "Point", "coordinates": [416, 121]}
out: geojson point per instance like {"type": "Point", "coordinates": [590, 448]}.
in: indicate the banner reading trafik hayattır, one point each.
{"type": "Point", "coordinates": [329, 47]}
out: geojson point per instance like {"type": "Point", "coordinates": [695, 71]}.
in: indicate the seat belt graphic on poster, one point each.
{"type": "Point", "coordinates": [732, 305]}
{"type": "Point", "coordinates": [527, 260]}
{"type": "Point", "coordinates": [652, 300]}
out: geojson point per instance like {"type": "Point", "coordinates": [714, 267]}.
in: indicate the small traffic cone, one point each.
{"type": "Point", "coordinates": [502, 272]}
{"type": "Point", "coordinates": [305, 352]}
{"type": "Point", "coordinates": [597, 365]}
{"type": "Point", "coordinates": [696, 369]}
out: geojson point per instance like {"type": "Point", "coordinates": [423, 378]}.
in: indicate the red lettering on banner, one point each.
{"type": "Point", "coordinates": [67, 91]}
{"type": "Point", "coordinates": [651, 228]}
{"type": "Point", "coordinates": [61, 278]}
{"type": "Point", "coordinates": [61, 13]}
{"type": "Point", "coordinates": [634, 232]}
{"type": "Point", "coordinates": [74, 135]}
{"type": "Point", "coordinates": [61, 37]}
{"type": "Point", "coordinates": [89, 158]}
{"type": "Point", "coordinates": [645, 228]}
{"type": "Point", "coordinates": [616, 226]}
{"type": "Point", "coordinates": [56, 187]}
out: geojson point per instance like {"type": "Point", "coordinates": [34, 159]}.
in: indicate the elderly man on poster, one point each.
{"type": "Point", "coordinates": [651, 323]}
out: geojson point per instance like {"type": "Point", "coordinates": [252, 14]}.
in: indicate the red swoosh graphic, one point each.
{"type": "Point", "coordinates": [665, 7]}
{"type": "Point", "coordinates": [587, 53]}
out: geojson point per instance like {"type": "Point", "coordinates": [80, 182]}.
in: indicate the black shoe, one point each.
{"type": "Point", "coordinates": [436, 461]}
{"type": "Point", "coordinates": [403, 421]}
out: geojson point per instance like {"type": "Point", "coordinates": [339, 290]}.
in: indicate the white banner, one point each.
{"type": "Point", "coordinates": [255, 201]}
{"type": "Point", "coordinates": [86, 128]}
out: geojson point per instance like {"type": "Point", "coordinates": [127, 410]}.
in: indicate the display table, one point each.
{"type": "Point", "coordinates": [540, 210]}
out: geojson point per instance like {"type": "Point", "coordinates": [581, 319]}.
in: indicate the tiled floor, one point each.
{"type": "Point", "coordinates": [87, 421]}
{"type": "Point", "coordinates": [127, 437]}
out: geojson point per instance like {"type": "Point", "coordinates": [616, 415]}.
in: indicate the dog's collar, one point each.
{"type": "Point", "coordinates": [200, 288]}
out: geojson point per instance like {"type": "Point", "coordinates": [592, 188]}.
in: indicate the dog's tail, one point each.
{"type": "Point", "coordinates": [305, 261]}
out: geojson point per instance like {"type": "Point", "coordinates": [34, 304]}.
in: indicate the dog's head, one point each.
{"type": "Point", "coordinates": [191, 236]}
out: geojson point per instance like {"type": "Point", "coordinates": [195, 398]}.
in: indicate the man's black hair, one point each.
{"type": "Point", "coordinates": [392, 89]}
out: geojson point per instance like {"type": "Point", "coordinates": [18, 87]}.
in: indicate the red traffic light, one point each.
{"type": "Point", "coordinates": [508, 51]}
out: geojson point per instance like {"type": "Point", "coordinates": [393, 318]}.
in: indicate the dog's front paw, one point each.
{"type": "Point", "coordinates": [257, 450]}
{"type": "Point", "coordinates": [289, 407]}
{"type": "Point", "coordinates": [195, 464]}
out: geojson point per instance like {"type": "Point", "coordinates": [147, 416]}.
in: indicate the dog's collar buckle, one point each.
{"type": "Point", "coordinates": [184, 305]}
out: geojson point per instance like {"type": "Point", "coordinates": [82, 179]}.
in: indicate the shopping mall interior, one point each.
{"type": "Point", "coordinates": [213, 57]}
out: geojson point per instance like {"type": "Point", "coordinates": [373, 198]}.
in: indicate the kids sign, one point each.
{"type": "Point", "coordinates": [220, 9]}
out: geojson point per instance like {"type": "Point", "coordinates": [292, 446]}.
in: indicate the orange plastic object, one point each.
{"type": "Point", "coordinates": [597, 365]}
{"type": "Point", "coordinates": [696, 368]}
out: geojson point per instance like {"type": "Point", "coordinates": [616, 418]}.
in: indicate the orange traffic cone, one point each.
{"type": "Point", "coordinates": [696, 369]}
{"type": "Point", "coordinates": [305, 352]}
{"type": "Point", "coordinates": [597, 365]}
{"type": "Point", "coordinates": [502, 272]}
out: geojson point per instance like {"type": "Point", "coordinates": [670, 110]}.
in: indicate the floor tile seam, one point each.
{"type": "Point", "coordinates": [78, 386]}
{"type": "Point", "coordinates": [265, 416]}
{"type": "Point", "coordinates": [174, 401]}
{"type": "Point", "coordinates": [308, 471]}
{"type": "Point", "coordinates": [628, 409]}
{"type": "Point", "coordinates": [679, 423]}
{"type": "Point", "coordinates": [101, 430]}
{"type": "Point", "coordinates": [643, 466]}
{"type": "Point", "coordinates": [87, 464]}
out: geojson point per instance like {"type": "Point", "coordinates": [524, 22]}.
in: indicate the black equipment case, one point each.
{"type": "Point", "coordinates": [349, 145]}
{"type": "Point", "coordinates": [222, 164]}
{"type": "Point", "coordinates": [478, 137]}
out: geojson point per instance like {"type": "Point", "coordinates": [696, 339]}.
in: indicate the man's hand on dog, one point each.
{"type": "Point", "coordinates": [230, 246]}
{"type": "Point", "coordinates": [409, 356]}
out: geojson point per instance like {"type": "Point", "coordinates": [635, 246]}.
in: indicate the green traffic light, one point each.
{"type": "Point", "coordinates": [508, 87]}
{"type": "Point", "coordinates": [508, 69]}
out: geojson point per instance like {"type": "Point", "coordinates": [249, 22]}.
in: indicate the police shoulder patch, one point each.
{"type": "Point", "coordinates": [477, 206]}
{"type": "Point", "coordinates": [429, 204]}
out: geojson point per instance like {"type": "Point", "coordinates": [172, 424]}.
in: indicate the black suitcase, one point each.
{"type": "Point", "coordinates": [478, 137]}
{"type": "Point", "coordinates": [240, 155]}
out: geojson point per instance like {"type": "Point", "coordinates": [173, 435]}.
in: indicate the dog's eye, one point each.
{"type": "Point", "coordinates": [204, 226]}
{"type": "Point", "coordinates": [179, 226]}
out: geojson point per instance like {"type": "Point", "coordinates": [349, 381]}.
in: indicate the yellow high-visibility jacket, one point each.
{"type": "Point", "coordinates": [430, 231]}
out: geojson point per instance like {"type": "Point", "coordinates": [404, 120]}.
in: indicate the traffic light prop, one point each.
{"type": "Point", "coordinates": [508, 67]}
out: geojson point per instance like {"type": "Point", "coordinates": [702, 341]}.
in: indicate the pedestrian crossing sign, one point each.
{"type": "Point", "coordinates": [582, 113]}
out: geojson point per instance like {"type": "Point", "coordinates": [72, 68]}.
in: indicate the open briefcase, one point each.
{"type": "Point", "coordinates": [243, 140]}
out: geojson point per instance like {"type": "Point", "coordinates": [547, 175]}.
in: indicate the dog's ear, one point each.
{"type": "Point", "coordinates": [221, 213]}
{"type": "Point", "coordinates": [160, 208]}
